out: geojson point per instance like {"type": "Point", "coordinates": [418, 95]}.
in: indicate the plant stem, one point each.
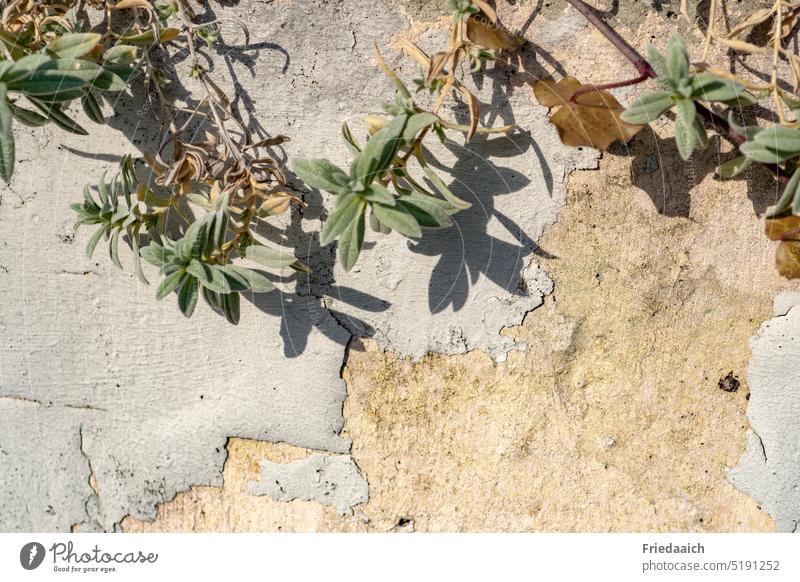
{"type": "Point", "coordinates": [614, 38]}
{"type": "Point", "coordinates": [614, 85]}
{"type": "Point", "coordinates": [719, 123]}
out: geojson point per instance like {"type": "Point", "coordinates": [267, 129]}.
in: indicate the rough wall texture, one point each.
{"type": "Point", "coordinates": [607, 417]}
{"type": "Point", "coordinates": [770, 469]}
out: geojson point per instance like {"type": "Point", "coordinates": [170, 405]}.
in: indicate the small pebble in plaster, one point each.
{"type": "Point", "coordinates": [729, 383]}
{"type": "Point", "coordinates": [609, 441]}
{"type": "Point", "coordinates": [404, 525]}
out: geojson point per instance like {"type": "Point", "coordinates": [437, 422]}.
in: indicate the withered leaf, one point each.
{"type": "Point", "coordinates": [782, 228]}
{"type": "Point", "coordinates": [787, 259]}
{"type": "Point", "coordinates": [437, 64]}
{"type": "Point", "coordinates": [592, 120]}
{"type": "Point", "coordinates": [491, 35]}
{"type": "Point", "coordinates": [752, 19]}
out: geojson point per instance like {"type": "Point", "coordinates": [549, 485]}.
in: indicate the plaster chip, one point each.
{"type": "Point", "coordinates": [329, 479]}
{"type": "Point", "coordinates": [769, 470]}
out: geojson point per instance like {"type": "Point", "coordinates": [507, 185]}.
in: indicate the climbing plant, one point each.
{"type": "Point", "coordinates": [694, 92]}
{"type": "Point", "coordinates": [194, 209]}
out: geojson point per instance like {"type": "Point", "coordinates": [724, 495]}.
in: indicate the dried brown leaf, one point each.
{"type": "Point", "coordinates": [787, 259]}
{"type": "Point", "coordinates": [487, 9]}
{"type": "Point", "coordinates": [740, 45]}
{"type": "Point", "coordinates": [491, 35]}
{"type": "Point", "coordinates": [750, 20]}
{"type": "Point", "coordinates": [782, 228]}
{"type": "Point", "coordinates": [592, 120]}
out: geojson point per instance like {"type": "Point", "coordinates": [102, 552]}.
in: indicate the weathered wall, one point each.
{"type": "Point", "coordinates": [605, 415]}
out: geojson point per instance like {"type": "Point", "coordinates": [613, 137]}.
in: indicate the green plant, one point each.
{"type": "Point", "coordinates": [685, 87]}
{"type": "Point", "coordinates": [381, 182]}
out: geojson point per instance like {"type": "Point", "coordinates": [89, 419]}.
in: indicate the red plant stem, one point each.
{"type": "Point", "coordinates": [720, 124]}
{"type": "Point", "coordinates": [615, 85]}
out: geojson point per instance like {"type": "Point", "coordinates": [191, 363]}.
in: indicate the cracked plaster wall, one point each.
{"type": "Point", "coordinates": [601, 425]}
{"type": "Point", "coordinates": [129, 404]}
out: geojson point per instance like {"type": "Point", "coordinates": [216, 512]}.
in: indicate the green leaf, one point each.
{"type": "Point", "coordinates": [187, 296]}
{"type": "Point", "coordinates": [230, 307]}
{"type": "Point", "coordinates": [72, 46]}
{"type": "Point", "coordinates": [379, 152]}
{"type": "Point", "coordinates": [122, 54]}
{"type": "Point", "coordinates": [708, 87]}
{"type": "Point", "coordinates": [169, 284]}
{"type": "Point", "coordinates": [442, 188]}
{"type": "Point", "coordinates": [53, 77]}
{"type": "Point", "coordinates": [350, 139]}
{"type": "Point", "coordinates": [58, 117]}
{"type": "Point", "coordinates": [685, 135]}
{"type": "Point", "coordinates": [783, 139]}
{"type": "Point", "coordinates": [677, 59]}
{"type": "Point", "coordinates": [789, 197]}
{"type": "Point", "coordinates": [92, 244]}
{"type": "Point", "coordinates": [124, 72]}
{"type": "Point", "coordinates": [647, 108]}
{"type": "Point", "coordinates": [701, 136]}
{"type": "Point", "coordinates": [210, 276]}
{"type": "Point", "coordinates": [417, 123]}
{"type": "Point", "coordinates": [346, 212]}
{"type": "Point", "coordinates": [113, 249]}
{"type": "Point", "coordinates": [108, 80]}
{"type": "Point", "coordinates": [269, 257]}
{"type": "Point", "coordinates": [92, 108]}
{"type": "Point", "coordinates": [7, 154]}
{"type": "Point", "coordinates": [398, 218]}
{"type": "Point", "coordinates": [350, 243]}
{"type": "Point", "coordinates": [322, 174]}
{"type": "Point", "coordinates": [733, 167]}
{"type": "Point", "coordinates": [252, 280]}
{"type": "Point", "coordinates": [192, 242]}
{"type": "Point", "coordinates": [760, 153]}
{"type": "Point", "coordinates": [659, 65]}
{"type": "Point", "coordinates": [426, 212]}
{"type": "Point", "coordinates": [28, 117]}
{"type": "Point", "coordinates": [157, 255]}
{"type": "Point", "coordinates": [378, 193]}
{"type": "Point", "coordinates": [5, 111]}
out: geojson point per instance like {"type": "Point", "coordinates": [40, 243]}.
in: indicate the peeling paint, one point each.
{"type": "Point", "coordinates": [328, 479]}
{"type": "Point", "coordinates": [124, 393]}
{"type": "Point", "coordinates": [769, 470]}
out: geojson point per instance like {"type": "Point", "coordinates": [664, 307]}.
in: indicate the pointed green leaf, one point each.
{"type": "Point", "coordinates": [789, 197]}
{"type": "Point", "coordinates": [733, 167]}
{"type": "Point", "coordinates": [442, 188]}
{"type": "Point", "coordinates": [72, 46]}
{"type": "Point", "coordinates": [169, 284]}
{"type": "Point", "coordinates": [58, 117]}
{"type": "Point", "coordinates": [269, 257]}
{"type": "Point", "coordinates": [378, 193]}
{"type": "Point", "coordinates": [647, 108]}
{"type": "Point", "coordinates": [379, 152]}
{"type": "Point", "coordinates": [417, 123]}
{"type": "Point", "coordinates": [322, 174]}
{"type": "Point", "coordinates": [346, 212]}
{"type": "Point", "coordinates": [230, 307]}
{"type": "Point", "coordinates": [254, 281]}
{"type": "Point", "coordinates": [399, 219]}
{"type": "Point", "coordinates": [92, 108]}
{"type": "Point", "coordinates": [685, 135]}
{"type": "Point", "coordinates": [350, 243]}
{"type": "Point", "coordinates": [187, 296]}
